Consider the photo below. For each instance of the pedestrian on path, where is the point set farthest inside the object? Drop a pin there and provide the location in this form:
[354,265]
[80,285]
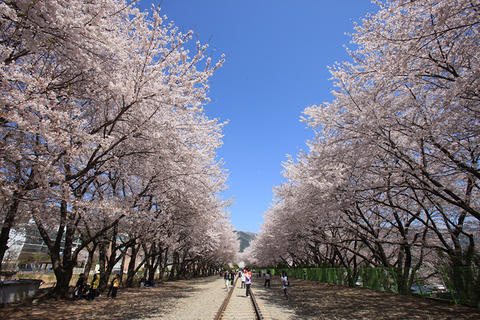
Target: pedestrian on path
[114,287]
[226,279]
[248,282]
[285,283]
[243,278]
[232,277]
[268,276]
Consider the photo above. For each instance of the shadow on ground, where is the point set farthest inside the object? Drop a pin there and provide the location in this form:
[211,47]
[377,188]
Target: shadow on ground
[315,300]
[308,299]
[134,303]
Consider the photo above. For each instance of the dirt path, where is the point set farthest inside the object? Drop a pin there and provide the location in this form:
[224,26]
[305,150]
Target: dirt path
[201,298]
[137,303]
[270,303]
[315,300]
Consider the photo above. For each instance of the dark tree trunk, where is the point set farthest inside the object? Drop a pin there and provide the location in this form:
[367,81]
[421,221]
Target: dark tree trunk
[113,259]
[91,253]
[132,269]
[6,227]
[102,261]
[164,264]
[131,266]
[175,262]
[122,266]
[63,275]
[62,264]
[153,265]
[464,274]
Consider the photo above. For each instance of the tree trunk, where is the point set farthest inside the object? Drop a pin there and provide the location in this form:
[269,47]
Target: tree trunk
[63,275]
[464,274]
[122,266]
[173,271]
[111,260]
[88,265]
[163,267]
[131,266]
[62,265]
[153,266]
[6,227]
[102,261]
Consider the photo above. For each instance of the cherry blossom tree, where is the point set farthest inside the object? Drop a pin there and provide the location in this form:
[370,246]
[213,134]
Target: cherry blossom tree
[103,127]
[394,164]
[414,89]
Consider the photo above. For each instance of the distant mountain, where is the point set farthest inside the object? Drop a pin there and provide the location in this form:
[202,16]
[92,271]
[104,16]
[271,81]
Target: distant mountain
[245,238]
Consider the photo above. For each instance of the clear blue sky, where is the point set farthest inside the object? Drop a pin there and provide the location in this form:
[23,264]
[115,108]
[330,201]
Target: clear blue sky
[277,54]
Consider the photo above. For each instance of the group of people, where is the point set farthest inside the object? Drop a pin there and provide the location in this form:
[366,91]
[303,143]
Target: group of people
[246,280]
[245,276]
[229,277]
[283,279]
[89,291]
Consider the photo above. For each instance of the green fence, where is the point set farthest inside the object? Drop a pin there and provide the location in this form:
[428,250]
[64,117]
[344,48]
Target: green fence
[459,285]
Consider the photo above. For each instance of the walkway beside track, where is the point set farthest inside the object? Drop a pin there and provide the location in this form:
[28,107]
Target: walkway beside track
[272,311]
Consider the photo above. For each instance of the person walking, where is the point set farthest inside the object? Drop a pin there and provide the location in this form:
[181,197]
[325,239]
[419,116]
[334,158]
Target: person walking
[285,283]
[112,292]
[232,277]
[248,282]
[93,292]
[243,278]
[268,276]
[227,281]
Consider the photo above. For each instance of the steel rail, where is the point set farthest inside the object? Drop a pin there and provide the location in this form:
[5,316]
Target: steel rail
[219,314]
[255,306]
[224,305]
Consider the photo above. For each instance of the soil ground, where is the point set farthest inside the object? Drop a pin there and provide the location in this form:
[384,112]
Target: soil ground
[307,300]
[315,300]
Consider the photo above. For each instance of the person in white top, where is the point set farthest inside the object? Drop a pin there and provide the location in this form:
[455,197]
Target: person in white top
[243,279]
[226,279]
[285,283]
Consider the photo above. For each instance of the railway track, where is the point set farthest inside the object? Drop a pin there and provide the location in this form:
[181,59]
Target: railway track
[237,306]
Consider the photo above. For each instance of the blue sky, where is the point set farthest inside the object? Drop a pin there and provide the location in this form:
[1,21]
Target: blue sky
[277,58]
